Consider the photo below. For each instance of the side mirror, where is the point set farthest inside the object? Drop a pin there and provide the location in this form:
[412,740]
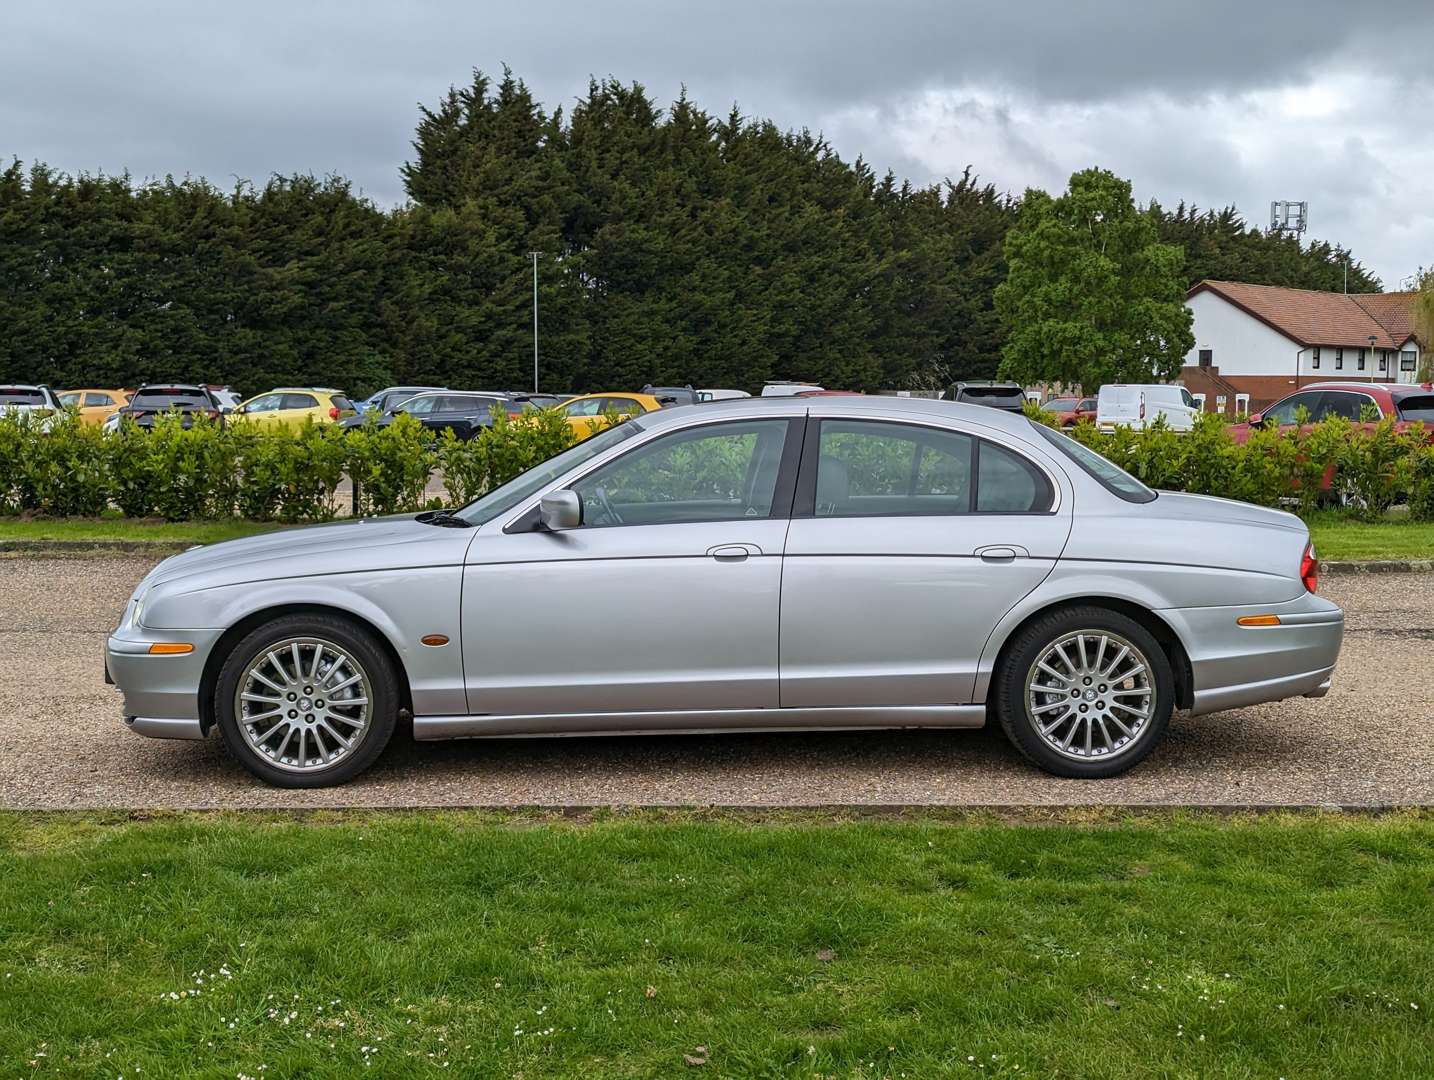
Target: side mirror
[560,510]
[1256,419]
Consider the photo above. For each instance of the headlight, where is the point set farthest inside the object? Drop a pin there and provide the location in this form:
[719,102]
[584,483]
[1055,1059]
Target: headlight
[136,610]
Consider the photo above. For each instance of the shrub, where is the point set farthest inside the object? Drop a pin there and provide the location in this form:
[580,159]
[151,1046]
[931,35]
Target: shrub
[1421,481]
[389,466]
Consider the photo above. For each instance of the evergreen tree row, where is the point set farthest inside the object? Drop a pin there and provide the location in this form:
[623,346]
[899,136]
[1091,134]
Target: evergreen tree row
[675,247]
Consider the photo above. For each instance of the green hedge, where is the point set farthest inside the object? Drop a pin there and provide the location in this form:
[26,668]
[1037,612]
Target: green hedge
[1371,465]
[205,471]
[208,472]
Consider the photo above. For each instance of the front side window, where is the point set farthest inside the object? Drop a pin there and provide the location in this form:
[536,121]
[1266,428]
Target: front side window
[69,400]
[419,406]
[584,407]
[1286,411]
[720,472]
[267,403]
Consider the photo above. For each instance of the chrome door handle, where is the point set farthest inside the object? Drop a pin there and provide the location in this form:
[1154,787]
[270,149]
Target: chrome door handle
[997,554]
[733,552]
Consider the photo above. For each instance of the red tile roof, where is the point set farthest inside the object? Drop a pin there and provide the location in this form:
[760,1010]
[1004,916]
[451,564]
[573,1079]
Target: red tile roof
[1309,317]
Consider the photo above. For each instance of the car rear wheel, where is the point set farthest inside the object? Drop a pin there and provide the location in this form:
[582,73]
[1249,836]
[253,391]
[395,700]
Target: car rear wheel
[307,701]
[1085,692]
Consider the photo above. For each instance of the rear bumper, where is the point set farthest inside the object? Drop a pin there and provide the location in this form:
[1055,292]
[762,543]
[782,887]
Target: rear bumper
[1233,666]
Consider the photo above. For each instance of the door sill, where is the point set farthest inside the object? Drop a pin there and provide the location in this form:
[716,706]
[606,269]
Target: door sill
[698,721]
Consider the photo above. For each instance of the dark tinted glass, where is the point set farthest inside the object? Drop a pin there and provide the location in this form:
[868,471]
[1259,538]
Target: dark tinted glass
[1416,407]
[170,397]
[1350,406]
[300,401]
[16,396]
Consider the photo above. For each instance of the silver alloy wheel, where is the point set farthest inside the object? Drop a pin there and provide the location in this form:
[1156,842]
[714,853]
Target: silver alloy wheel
[303,704]
[1091,694]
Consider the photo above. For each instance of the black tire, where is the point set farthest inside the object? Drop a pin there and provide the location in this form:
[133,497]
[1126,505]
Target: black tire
[361,647]
[1022,729]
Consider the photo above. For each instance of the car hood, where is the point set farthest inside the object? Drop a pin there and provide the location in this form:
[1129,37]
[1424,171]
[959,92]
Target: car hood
[368,544]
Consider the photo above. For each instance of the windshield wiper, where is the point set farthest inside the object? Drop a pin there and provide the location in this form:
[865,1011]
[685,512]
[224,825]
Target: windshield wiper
[444,519]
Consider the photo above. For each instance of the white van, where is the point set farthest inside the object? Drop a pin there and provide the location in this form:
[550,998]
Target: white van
[788,389]
[1136,405]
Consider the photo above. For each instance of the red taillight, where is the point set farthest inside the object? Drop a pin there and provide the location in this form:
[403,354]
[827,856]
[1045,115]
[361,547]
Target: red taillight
[137,413]
[1309,568]
[333,412]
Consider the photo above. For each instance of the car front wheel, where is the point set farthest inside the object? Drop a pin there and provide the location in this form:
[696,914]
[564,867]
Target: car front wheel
[307,701]
[1085,692]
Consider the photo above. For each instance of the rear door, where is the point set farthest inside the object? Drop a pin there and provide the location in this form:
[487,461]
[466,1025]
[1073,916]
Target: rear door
[296,410]
[908,544]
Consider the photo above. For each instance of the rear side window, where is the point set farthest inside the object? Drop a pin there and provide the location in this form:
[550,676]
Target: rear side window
[1417,407]
[1108,474]
[985,395]
[300,401]
[98,400]
[875,469]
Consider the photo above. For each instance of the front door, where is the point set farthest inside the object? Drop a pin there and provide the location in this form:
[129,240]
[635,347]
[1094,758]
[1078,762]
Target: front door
[908,544]
[664,599]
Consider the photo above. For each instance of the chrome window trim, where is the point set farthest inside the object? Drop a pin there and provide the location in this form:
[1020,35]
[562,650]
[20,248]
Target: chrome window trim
[627,447]
[975,431]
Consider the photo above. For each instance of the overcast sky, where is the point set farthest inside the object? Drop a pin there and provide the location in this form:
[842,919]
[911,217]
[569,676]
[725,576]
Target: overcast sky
[1214,102]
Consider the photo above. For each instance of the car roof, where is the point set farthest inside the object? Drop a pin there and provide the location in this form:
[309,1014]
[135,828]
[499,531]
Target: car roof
[874,405]
[1399,389]
[23,386]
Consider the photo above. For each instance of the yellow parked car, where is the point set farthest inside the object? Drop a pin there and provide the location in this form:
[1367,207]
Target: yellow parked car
[95,406]
[293,406]
[585,414]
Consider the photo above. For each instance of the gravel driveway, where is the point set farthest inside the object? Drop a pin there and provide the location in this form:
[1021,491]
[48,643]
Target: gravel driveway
[63,745]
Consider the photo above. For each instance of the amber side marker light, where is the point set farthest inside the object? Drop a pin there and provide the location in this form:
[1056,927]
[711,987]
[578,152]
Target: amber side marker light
[170,648]
[434,640]
[1258,620]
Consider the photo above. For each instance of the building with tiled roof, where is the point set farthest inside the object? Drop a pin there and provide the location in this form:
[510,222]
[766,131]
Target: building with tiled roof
[1257,343]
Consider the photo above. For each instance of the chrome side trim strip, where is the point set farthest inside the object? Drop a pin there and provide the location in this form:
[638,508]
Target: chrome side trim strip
[698,720]
[159,728]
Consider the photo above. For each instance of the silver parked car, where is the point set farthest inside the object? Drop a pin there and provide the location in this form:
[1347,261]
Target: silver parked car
[765,564]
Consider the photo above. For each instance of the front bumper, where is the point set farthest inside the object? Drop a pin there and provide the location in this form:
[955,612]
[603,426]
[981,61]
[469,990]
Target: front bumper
[1233,666]
[161,693]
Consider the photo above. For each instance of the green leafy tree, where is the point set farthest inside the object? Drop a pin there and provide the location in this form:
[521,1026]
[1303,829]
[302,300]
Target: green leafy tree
[1091,294]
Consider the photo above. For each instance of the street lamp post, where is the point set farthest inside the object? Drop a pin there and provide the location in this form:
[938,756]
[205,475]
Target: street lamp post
[535,255]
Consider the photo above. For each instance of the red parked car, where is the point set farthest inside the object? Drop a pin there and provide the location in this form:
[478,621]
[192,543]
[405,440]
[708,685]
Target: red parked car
[1406,403]
[1071,411]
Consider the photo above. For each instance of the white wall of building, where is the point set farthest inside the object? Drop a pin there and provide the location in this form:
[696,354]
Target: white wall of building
[1239,343]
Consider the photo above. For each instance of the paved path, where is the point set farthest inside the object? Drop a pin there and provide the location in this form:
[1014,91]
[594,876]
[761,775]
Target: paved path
[1370,742]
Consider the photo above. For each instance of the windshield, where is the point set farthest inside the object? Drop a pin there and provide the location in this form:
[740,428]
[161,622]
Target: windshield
[1110,475]
[506,496]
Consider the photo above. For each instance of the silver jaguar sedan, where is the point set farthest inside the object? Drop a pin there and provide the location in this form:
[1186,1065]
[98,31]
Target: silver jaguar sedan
[760,564]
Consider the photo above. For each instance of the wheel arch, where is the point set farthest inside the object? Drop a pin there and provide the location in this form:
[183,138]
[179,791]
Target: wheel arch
[254,619]
[1164,634]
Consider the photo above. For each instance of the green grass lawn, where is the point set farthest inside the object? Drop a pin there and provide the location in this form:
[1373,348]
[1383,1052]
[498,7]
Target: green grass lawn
[659,945]
[1340,537]
[129,530]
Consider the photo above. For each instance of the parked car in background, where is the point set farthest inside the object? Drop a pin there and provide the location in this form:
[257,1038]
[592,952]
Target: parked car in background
[154,400]
[672,395]
[585,413]
[294,406]
[36,403]
[1321,400]
[94,406]
[721,395]
[390,396]
[462,412]
[1137,405]
[227,396]
[1071,411]
[740,582]
[828,393]
[540,401]
[787,389]
[1009,397]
